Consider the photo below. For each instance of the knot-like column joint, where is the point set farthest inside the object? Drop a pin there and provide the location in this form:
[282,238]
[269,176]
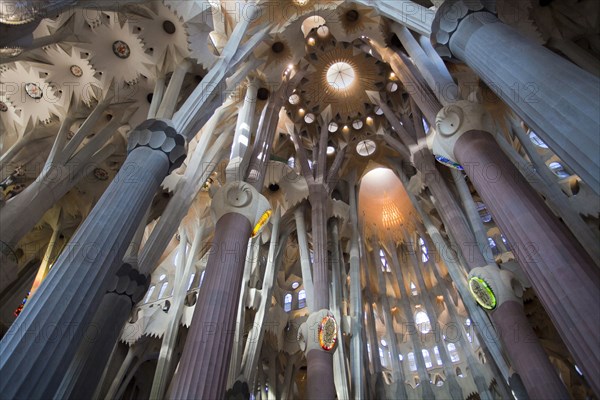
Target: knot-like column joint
[129,282]
[319,332]
[448,18]
[241,198]
[491,286]
[452,122]
[159,134]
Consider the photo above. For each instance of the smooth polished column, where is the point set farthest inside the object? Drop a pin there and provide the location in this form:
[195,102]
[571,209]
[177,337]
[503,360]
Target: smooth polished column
[530,78]
[561,272]
[42,342]
[204,364]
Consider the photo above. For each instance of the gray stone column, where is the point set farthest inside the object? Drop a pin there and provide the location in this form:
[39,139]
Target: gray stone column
[426,386]
[414,253]
[42,342]
[530,78]
[204,364]
[356,308]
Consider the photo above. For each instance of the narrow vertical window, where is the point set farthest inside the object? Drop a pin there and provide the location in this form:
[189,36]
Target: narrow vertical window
[150,291]
[287,303]
[302,299]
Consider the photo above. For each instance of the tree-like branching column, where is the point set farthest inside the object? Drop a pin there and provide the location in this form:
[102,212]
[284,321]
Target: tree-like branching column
[320,185]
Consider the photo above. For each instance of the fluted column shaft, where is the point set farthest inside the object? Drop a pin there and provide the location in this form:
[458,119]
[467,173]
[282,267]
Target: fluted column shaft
[561,272]
[531,80]
[42,342]
[205,360]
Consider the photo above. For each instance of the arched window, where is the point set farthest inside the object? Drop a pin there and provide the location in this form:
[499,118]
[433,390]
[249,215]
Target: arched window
[385,267]
[536,140]
[412,365]
[424,254]
[382,357]
[150,291]
[558,170]
[291,162]
[436,352]
[201,278]
[425,126]
[453,352]
[162,289]
[191,281]
[427,358]
[302,298]
[287,303]
[483,212]
[422,321]
[413,289]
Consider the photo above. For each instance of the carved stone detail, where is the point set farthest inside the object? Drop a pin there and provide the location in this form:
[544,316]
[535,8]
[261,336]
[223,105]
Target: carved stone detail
[455,120]
[241,198]
[449,16]
[129,282]
[159,134]
[503,283]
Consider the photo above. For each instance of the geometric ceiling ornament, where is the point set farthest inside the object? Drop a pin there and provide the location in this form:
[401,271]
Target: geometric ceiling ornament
[116,52]
[198,21]
[35,99]
[70,72]
[164,36]
[341,75]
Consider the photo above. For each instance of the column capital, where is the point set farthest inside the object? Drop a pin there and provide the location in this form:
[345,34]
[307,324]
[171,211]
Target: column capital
[159,134]
[491,286]
[452,122]
[319,332]
[241,198]
[449,16]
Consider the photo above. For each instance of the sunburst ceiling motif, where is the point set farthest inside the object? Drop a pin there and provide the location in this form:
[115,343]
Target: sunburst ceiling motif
[164,36]
[104,59]
[70,71]
[341,75]
[34,99]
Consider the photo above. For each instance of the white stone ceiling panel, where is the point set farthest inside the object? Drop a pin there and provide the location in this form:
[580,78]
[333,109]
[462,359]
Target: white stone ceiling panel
[70,71]
[117,53]
[164,33]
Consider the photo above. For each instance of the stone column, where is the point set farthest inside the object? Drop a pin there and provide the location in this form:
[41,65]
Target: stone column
[474,366]
[318,339]
[242,136]
[529,78]
[561,272]
[356,308]
[304,257]
[516,332]
[426,386]
[397,372]
[414,252]
[340,370]
[42,342]
[204,364]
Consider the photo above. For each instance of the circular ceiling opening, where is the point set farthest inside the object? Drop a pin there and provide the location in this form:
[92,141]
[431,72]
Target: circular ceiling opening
[366,147]
[340,75]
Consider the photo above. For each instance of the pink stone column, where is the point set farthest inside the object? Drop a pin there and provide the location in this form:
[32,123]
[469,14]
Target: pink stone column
[202,371]
[564,277]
